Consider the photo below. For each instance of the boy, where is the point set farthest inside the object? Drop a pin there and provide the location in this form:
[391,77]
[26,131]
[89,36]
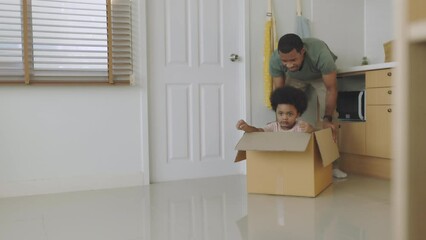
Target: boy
[289,103]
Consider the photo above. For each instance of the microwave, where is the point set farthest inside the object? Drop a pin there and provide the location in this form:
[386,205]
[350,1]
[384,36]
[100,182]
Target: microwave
[351,105]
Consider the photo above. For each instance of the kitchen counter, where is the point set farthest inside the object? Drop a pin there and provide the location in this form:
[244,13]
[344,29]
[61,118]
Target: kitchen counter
[361,69]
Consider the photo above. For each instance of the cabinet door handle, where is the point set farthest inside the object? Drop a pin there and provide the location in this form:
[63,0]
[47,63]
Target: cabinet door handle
[389,91]
[389,74]
[389,110]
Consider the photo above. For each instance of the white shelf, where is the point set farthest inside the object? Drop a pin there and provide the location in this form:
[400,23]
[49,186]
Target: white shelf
[417,31]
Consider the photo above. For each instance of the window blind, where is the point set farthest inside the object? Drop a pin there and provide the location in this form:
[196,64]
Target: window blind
[11,47]
[83,41]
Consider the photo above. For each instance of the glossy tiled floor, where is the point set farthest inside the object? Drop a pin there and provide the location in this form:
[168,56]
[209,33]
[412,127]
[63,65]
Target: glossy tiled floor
[205,209]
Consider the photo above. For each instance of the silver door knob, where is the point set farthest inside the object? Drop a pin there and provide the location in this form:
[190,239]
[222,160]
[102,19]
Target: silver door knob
[234,57]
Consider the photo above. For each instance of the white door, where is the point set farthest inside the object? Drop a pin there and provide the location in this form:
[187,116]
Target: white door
[194,88]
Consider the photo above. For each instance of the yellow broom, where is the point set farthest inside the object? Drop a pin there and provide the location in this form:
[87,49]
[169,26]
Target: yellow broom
[269,46]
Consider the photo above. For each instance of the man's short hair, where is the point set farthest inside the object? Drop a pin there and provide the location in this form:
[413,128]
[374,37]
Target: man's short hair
[289,42]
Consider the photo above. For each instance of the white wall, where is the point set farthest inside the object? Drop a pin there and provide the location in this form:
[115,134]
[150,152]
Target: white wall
[64,135]
[342,24]
[378,28]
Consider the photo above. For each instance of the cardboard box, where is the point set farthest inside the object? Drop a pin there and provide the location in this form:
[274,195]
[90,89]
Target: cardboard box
[297,164]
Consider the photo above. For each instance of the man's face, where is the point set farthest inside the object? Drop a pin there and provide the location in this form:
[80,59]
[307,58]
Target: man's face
[292,60]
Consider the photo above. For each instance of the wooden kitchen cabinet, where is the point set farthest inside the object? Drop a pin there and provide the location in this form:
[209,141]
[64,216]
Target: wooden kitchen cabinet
[352,137]
[378,129]
[378,78]
[365,147]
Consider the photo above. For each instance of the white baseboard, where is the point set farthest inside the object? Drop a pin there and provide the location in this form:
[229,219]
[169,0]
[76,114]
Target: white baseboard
[69,184]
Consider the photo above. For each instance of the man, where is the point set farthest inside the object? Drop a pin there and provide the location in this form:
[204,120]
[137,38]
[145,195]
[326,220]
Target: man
[304,64]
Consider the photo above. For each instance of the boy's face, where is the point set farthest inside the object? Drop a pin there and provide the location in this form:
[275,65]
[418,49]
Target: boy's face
[292,60]
[286,116]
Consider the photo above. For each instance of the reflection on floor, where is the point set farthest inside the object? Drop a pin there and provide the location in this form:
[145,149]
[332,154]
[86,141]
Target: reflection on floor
[214,208]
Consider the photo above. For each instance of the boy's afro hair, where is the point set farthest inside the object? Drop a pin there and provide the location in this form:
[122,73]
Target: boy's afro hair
[289,95]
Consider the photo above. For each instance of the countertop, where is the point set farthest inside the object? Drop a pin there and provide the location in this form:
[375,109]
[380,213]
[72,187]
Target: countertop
[364,68]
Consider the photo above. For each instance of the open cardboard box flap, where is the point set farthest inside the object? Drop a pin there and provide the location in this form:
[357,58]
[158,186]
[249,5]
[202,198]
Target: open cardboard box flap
[288,141]
[327,147]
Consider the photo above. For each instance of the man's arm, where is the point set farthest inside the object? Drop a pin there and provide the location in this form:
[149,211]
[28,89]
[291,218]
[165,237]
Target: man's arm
[330,82]
[276,71]
[278,81]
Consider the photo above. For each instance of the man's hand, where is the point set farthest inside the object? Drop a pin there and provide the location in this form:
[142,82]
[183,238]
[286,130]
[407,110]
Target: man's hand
[327,124]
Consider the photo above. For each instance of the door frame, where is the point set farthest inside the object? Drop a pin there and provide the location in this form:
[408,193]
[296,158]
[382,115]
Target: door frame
[244,82]
[141,76]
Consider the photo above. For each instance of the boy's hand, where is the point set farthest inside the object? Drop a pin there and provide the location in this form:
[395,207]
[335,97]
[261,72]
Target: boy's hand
[241,125]
[306,127]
